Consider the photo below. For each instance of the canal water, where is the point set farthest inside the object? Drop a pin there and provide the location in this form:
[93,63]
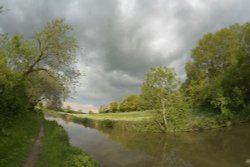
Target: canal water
[228,147]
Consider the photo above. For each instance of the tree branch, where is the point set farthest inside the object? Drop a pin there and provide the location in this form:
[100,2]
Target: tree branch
[162,128]
[39,58]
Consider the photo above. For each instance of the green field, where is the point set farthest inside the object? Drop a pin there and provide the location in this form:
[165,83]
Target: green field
[122,116]
[129,121]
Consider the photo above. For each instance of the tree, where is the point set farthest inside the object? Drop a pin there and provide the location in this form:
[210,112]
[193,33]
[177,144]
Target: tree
[215,53]
[55,50]
[131,103]
[159,90]
[215,75]
[13,96]
[212,58]
[102,109]
[114,106]
[46,62]
[158,83]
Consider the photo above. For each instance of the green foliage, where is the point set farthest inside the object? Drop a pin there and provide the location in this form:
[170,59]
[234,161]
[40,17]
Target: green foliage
[114,106]
[127,104]
[106,123]
[17,52]
[53,63]
[13,99]
[218,74]
[159,90]
[43,64]
[174,113]
[214,53]
[17,139]
[158,83]
[131,103]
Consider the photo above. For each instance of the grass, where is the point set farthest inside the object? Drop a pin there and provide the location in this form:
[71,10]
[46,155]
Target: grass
[57,152]
[129,121]
[122,116]
[144,120]
[16,140]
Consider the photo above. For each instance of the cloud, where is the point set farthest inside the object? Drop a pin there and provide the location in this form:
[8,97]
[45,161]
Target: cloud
[121,40]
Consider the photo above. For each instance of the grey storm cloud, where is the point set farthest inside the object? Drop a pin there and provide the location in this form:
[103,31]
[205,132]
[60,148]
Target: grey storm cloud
[121,40]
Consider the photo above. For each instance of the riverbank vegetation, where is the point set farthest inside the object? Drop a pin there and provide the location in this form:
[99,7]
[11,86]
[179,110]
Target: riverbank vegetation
[132,121]
[17,140]
[215,93]
[56,150]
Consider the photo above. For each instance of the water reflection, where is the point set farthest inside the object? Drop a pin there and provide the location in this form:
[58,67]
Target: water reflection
[111,148]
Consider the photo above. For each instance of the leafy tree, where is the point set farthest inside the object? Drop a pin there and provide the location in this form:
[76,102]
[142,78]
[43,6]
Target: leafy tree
[131,103]
[13,99]
[217,76]
[46,62]
[127,104]
[158,83]
[215,53]
[159,90]
[114,106]
[102,109]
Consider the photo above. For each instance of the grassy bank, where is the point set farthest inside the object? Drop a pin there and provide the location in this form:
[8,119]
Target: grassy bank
[121,116]
[57,152]
[144,121]
[17,140]
[130,121]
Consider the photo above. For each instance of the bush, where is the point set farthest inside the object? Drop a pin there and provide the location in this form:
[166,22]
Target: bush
[106,123]
[13,99]
[16,141]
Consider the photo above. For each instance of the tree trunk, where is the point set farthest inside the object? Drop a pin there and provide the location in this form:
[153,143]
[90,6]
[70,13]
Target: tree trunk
[163,111]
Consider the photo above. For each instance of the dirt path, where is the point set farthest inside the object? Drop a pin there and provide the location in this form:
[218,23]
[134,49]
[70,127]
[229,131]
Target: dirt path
[33,154]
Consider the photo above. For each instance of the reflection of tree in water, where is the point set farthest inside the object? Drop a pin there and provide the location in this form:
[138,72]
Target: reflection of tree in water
[169,157]
[157,146]
[225,147]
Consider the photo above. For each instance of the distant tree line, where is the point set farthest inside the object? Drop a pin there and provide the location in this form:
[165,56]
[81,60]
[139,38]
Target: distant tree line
[127,104]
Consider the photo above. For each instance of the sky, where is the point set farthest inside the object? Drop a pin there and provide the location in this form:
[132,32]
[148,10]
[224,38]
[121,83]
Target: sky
[120,40]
